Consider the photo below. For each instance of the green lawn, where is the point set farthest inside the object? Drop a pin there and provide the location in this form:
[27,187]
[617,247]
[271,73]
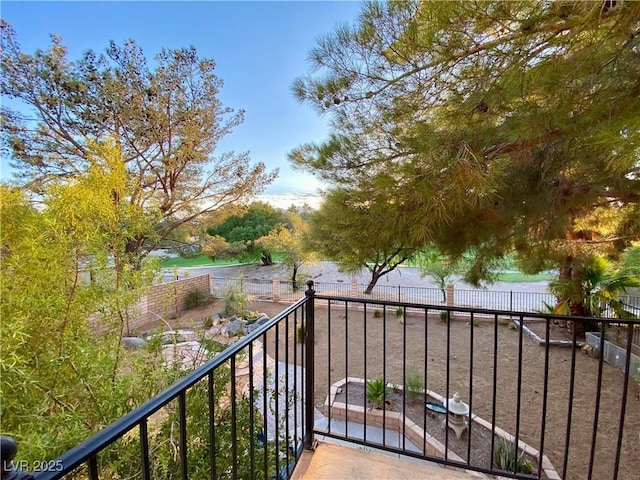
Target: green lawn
[199,261]
[519,277]
[204,261]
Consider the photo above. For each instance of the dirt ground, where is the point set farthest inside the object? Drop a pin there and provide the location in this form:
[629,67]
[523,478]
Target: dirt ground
[385,346]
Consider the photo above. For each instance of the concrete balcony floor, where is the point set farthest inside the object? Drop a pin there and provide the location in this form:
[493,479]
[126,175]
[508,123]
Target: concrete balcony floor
[331,461]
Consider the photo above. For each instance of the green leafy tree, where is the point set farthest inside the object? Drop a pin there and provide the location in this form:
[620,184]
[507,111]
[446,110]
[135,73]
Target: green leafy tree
[67,291]
[505,126]
[361,231]
[167,120]
[440,268]
[289,240]
[244,229]
[65,277]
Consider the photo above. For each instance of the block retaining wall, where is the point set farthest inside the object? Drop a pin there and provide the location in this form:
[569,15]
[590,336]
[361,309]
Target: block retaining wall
[166,300]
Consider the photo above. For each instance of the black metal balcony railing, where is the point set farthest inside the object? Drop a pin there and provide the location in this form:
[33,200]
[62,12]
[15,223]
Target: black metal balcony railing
[566,410]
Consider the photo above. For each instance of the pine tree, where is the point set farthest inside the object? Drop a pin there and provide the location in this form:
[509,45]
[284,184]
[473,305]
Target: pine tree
[502,125]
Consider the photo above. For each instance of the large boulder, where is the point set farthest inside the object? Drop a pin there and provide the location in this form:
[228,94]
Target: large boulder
[233,328]
[213,332]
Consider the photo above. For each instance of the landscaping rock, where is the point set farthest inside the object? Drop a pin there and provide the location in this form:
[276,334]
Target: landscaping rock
[173,336]
[133,342]
[188,354]
[251,327]
[213,332]
[233,328]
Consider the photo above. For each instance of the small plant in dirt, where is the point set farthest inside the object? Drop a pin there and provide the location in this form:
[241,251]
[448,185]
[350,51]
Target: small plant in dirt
[399,311]
[505,458]
[444,316]
[301,332]
[377,391]
[196,298]
[207,321]
[236,300]
[414,385]
[377,313]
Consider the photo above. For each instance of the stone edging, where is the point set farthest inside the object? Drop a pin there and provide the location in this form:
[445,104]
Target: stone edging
[413,432]
[541,341]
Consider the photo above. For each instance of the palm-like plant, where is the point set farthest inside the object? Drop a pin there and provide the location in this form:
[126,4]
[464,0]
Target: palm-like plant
[377,392]
[596,291]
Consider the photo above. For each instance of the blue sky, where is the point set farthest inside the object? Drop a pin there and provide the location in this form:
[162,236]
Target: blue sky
[259,48]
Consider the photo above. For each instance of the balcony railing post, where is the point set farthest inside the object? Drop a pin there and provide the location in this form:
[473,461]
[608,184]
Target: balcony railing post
[308,366]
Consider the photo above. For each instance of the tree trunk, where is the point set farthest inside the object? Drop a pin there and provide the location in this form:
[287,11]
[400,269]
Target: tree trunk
[266,259]
[294,281]
[375,276]
[572,274]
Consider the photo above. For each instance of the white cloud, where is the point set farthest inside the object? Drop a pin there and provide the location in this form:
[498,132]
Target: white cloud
[285,200]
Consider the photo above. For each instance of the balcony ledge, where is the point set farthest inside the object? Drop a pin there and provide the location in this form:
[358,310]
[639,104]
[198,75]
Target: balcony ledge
[330,461]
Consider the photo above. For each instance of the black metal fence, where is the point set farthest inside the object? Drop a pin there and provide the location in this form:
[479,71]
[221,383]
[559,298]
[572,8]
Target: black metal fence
[286,291]
[381,374]
[393,368]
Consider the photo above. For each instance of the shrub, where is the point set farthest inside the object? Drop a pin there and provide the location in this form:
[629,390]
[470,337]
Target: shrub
[444,316]
[196,298]
[377,391]
[189,251]
[399,312]
[414,385]
[504,458]
[207,322]
[235,301]
[377,313]
[301,333]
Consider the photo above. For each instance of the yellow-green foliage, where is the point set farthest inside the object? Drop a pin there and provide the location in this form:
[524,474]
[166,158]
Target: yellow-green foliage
[65,271]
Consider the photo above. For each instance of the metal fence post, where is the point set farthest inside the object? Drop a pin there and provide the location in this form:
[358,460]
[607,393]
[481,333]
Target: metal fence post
[308,366]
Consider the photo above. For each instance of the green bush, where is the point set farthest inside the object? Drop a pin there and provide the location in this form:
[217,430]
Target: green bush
[301,333]
[196,298]
[399,312]
[377,313]
[377,391]
[414,385]
[505,458]
[444,316]
[235,301]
